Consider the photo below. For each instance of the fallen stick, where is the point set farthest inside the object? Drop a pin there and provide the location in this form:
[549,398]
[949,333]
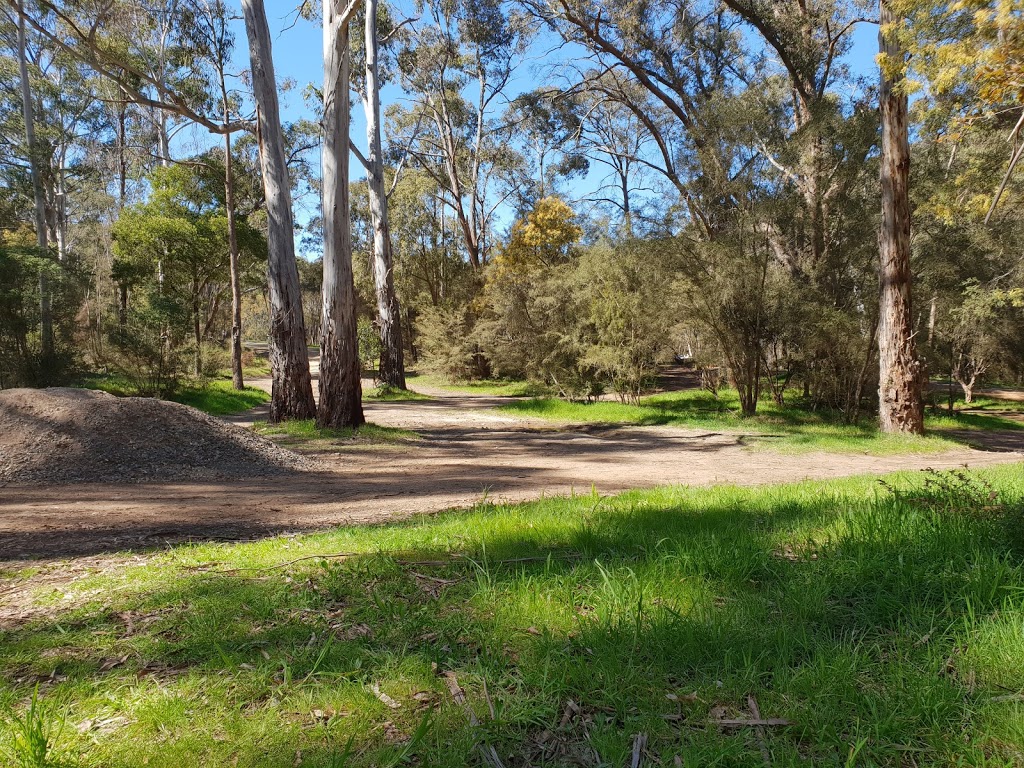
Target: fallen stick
[639,744]
[488,753]
[759,730]
[753,723]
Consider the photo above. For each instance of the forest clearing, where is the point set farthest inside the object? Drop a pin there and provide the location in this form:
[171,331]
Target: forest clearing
[511,383]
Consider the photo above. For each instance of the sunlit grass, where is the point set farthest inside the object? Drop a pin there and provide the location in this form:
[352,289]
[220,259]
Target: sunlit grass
[792,427]
[877,623]
[492,387]
[305,433]
[220,398]
[385,394]
[217,397]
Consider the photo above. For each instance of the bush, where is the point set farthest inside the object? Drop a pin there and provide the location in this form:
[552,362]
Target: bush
[447,338]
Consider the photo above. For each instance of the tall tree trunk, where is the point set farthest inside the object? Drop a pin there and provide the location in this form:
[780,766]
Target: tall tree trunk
[45,314]
[340,389]
[197,330]
[389,314]
[292,388]
[236,286]
[899,389]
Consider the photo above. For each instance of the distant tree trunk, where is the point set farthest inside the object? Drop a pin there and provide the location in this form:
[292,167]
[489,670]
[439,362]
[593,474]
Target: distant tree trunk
[292,389]
[197,329]
[899,390]
[236,286]
[45,314]
[389,314]
[340,387]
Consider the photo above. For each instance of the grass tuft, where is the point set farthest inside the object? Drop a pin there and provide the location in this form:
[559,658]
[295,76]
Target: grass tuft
[32,735]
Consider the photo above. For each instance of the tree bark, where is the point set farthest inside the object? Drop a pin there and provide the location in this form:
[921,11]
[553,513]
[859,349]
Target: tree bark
[236,286]
[899,390]
[340,388]
[197,330]
[389,314]
[292,388]
[45,314]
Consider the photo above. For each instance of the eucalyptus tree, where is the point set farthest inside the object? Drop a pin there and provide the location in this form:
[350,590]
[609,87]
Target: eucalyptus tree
[457,67]
[49,117]
[615,138]
[340,389]
[389,312]
[900,407]
[39,208]
[547,122]
[292,388]
[105,36]
[215,42]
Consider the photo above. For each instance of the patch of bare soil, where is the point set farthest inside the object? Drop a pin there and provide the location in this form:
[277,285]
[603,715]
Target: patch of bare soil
[70,436]
[233,485]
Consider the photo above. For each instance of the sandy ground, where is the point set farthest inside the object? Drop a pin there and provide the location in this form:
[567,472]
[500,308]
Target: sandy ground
[466,452]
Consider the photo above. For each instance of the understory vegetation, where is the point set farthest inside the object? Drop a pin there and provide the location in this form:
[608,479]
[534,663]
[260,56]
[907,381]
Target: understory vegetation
[869,622]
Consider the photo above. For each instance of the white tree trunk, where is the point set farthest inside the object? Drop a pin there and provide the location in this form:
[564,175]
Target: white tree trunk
[389,315]
[340,389]
[292,390]
[45,315]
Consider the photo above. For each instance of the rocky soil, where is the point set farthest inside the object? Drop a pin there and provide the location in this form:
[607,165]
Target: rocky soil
[60,436]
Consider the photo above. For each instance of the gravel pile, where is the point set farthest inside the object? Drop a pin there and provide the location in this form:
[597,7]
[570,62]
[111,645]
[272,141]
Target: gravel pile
[78,435]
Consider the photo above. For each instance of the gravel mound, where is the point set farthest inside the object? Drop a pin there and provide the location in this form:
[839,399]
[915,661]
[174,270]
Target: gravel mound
[64,435]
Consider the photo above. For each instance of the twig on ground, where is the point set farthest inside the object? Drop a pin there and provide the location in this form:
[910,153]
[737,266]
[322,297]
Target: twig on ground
[751,723]
[639,745]
[759,730]
[488,753]
[384,698]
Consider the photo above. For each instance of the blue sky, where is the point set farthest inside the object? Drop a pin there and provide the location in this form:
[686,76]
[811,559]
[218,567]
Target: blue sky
[298,49]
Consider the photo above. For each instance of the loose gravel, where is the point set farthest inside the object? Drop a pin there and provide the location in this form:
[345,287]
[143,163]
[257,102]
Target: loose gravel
[61,435]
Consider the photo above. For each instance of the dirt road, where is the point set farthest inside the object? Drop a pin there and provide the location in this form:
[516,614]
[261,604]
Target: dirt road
[466,451]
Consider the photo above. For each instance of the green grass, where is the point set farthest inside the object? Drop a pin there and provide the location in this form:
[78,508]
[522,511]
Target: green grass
[492,387]
[305,433]
[391,395]
[886,626]
[793,427]
[219,398]
[216,397]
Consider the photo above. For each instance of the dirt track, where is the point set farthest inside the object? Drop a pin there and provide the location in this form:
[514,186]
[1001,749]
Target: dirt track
[466,451]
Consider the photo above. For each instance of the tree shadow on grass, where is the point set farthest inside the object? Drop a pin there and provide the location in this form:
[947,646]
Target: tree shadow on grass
[865,621]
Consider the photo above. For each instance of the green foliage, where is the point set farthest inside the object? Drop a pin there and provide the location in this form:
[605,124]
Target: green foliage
[448,344]
[369,344]
[22,360]
[171,270]
[577,320]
